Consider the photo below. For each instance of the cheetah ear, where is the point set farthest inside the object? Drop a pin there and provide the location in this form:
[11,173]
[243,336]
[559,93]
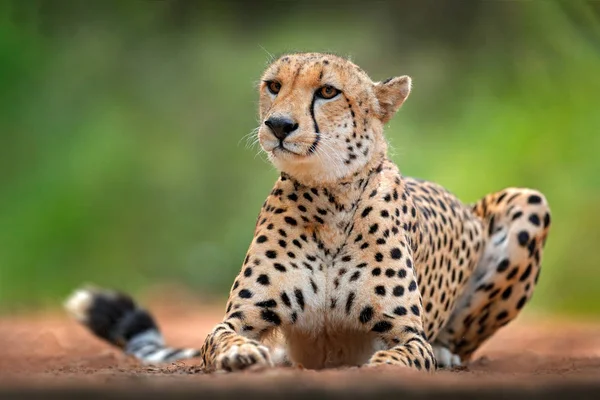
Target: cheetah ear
[391,93]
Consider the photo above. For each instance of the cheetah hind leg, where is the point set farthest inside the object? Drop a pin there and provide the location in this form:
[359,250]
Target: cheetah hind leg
[517,223]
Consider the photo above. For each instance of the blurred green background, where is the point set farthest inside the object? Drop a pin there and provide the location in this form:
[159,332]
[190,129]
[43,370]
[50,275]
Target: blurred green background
[123,160]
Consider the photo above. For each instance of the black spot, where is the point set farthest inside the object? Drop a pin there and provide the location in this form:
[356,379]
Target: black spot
[412,287]
[534,219]
[526,273]
[380,290]
[415,310]
[291,221]
[390,273]
[302,208]
[401,311]
[395,253]
[382,326]
[247,272]
[507,292]
[546,220]
[270,316]
[402,272]
[379,257]
[245,294]
[521,302]
[373,228]
[307,197]
[501,315]
[346,258]
[350,302]
[355,276]
[361,265]
[503,265]
[280,267]
[299,298]
[314,286]
[513,272]
[237,315]
[366,211]
[534,199]
[293,197]
[398,291]
[263,279]
[261,239]
[417,364]
[366,315]
[517,215]
[376,272]
[286,299]
[266,304]
[523,238]
[271,253]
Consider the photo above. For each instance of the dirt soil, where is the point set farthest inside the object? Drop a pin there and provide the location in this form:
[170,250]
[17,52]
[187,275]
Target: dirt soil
[532,357]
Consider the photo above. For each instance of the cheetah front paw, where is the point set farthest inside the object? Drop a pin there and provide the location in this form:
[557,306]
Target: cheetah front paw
[387,357]
[445,358]
[245,356]
[399,358]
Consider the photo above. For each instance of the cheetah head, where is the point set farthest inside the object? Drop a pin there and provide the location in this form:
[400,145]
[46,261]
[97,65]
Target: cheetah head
[322,116]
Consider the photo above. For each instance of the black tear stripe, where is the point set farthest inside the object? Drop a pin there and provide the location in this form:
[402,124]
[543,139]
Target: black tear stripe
[313,147]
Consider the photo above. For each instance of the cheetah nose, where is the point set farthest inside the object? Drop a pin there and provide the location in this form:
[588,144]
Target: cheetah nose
[281,126]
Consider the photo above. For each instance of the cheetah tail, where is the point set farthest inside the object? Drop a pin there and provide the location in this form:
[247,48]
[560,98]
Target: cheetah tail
[117,319]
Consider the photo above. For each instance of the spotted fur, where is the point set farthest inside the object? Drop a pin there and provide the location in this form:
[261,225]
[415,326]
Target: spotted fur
[353,263]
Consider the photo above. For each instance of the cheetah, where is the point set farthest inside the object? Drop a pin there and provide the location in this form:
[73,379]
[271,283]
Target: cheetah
[351,263]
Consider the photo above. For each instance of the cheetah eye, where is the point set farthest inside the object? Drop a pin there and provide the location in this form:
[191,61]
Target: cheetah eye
[327,92]
[274,87]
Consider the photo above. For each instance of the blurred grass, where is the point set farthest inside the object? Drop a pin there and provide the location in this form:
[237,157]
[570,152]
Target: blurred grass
[123,163]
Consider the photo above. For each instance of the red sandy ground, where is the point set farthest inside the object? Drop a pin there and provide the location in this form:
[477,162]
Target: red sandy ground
[52,351]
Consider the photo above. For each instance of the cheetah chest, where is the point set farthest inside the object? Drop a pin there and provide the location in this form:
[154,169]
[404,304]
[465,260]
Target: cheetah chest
[323,335]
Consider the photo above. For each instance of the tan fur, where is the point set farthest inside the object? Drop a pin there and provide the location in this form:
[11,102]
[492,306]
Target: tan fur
[353,263]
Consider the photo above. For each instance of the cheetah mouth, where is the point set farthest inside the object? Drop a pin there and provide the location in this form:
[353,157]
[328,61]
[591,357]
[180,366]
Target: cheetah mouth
[284,150]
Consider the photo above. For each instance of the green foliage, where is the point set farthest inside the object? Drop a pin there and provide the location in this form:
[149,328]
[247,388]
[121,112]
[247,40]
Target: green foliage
[123,159]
